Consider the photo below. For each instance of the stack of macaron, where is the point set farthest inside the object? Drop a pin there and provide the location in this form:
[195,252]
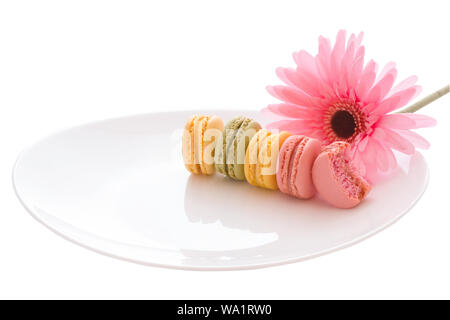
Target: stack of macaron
[296,165]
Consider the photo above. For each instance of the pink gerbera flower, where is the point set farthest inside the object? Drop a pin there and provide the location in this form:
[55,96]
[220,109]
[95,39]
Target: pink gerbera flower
[334,96]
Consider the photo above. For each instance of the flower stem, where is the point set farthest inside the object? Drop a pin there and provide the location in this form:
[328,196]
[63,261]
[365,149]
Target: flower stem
[427,100]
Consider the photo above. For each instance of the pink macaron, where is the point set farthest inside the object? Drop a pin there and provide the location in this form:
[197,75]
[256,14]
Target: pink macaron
[336,179]
[295,162]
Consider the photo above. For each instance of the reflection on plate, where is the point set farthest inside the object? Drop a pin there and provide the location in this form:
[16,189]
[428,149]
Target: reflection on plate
[119,187]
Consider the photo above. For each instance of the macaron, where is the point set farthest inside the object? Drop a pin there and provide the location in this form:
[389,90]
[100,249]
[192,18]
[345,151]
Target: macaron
[261,158]
[199,141]
[232,146]
[295,162]
[336,179]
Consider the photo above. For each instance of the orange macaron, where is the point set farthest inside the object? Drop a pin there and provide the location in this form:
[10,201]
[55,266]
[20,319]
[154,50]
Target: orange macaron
[199,141]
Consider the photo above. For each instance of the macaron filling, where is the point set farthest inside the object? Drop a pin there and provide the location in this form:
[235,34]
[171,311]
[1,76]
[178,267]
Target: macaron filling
[347,175]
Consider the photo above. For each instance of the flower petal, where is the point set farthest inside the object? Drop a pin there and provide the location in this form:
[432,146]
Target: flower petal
[337,54]
[359,38]
[367,79]
[351,42]
[323,59]
[290,95]
[338,50]
[310,85]
[358,162]
[397,142]
[396,101]
[369,155]
[291,111]
[363,143]
[391,157]
[282,73]
[304,81]
[267,116]
[379,134]
[357,67]
[293,126]
[421,120]
[347,59]
[417,140]
[388,68]
[305,62]
[392,161]
[377,109]
[396,121]
[405,84]
[287,124]
[383,86]
[381,157]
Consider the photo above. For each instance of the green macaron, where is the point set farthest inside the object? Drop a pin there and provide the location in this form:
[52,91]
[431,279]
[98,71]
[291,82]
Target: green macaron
[230,150]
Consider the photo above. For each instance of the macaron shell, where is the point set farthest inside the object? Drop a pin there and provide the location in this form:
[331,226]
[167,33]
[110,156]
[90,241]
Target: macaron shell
[267,159]
[301,175]
[251,156]
[212,134]
[285,156]
[241,142]
[188,147]
[199,127]
[186,150]
[327,186]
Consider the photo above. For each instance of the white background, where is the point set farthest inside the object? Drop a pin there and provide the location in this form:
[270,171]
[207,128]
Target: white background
[63,63]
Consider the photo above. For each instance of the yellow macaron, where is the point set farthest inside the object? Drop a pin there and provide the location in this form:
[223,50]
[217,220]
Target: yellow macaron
[199,140]
[261,158]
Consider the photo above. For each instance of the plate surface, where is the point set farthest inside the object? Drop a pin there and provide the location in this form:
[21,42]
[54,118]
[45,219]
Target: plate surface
[119,187]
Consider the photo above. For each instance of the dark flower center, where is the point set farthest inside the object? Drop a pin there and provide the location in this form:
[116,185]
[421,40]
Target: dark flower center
[343,124]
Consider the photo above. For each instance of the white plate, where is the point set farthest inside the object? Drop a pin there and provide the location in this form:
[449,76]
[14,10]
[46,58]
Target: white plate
[119,187]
